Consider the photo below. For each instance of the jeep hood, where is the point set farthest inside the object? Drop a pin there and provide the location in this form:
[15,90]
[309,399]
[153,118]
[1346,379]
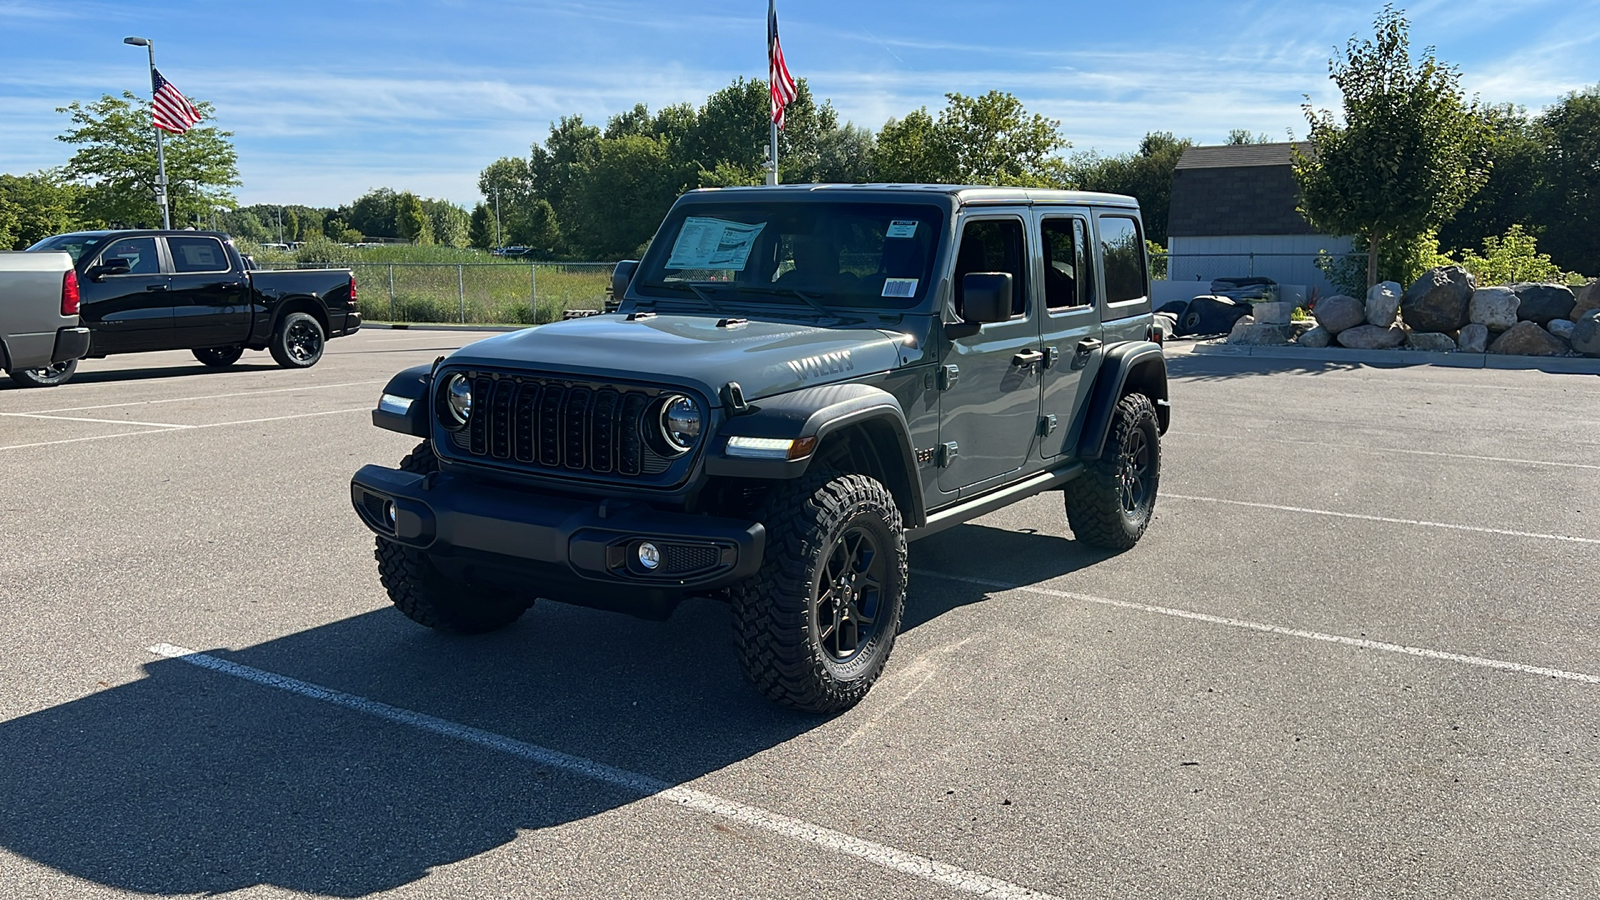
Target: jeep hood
[765,358]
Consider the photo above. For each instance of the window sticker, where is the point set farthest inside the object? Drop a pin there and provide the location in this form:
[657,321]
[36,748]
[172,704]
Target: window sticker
[902,228]
[706,243]
[900,287]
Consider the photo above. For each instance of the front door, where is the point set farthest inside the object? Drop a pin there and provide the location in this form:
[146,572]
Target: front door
[132,311]
[210,306]
[1070,329]
[988,412]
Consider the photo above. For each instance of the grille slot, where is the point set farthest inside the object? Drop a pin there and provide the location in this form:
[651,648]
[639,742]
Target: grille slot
[677,559]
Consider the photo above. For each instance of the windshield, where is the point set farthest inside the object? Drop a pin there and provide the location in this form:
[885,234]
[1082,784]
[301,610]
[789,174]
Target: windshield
[74,244]
[871,255]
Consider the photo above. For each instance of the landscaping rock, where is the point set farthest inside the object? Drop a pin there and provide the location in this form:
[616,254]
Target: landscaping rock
[1261,334]
[1239,328]
[1339,312]
[1562,328]
[1383,303]
[1372,337]
[1494,307]
[1272,313]
[1588,297]
[1528,339]
[1316,338]
[1586,333]
[1543,303]
[1438,300]
[1474,339]
[1434,341]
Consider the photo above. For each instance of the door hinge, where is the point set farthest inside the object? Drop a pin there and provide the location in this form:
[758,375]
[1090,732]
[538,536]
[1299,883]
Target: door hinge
[948,376]
[947,454]
[1047,425]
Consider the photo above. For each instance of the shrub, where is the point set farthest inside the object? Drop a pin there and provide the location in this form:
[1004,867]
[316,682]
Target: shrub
[1514,257]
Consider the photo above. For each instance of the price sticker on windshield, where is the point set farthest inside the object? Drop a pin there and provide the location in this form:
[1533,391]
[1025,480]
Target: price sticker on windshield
[902,228]
[900,287]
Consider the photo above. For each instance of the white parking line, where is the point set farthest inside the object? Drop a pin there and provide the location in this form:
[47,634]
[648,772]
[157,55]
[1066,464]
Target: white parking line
[309,387]
[96,421]
[939,873]
[1363,643]
[1257,440]
[167,429]
[1392,521]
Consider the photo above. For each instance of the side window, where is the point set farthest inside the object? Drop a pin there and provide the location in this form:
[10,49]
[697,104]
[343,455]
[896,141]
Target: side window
[197,254]
[140,252]
[994,245]
[1122,247]
[1066,278]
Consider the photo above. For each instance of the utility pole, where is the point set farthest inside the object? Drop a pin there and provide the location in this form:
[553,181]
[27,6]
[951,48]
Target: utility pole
[498,242]
[280,224]
[161,156]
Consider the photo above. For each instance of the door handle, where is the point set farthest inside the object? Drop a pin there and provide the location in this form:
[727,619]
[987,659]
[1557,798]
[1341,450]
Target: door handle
[1090,345]
[156,287]
[1027,358]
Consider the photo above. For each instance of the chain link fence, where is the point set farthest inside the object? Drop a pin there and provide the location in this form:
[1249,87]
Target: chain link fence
[476,293]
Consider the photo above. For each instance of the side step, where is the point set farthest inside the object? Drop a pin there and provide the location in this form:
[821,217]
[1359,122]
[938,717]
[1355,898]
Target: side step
[966,510]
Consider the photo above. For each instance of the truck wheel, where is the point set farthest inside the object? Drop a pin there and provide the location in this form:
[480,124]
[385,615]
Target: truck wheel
[425,595]
[219,357]
[814,627]
[297,342]
[1111,504]
[46,376]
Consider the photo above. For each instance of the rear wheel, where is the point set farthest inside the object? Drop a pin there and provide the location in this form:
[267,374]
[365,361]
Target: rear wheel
[297,342]
[1111,505]
[219,357]
[45,376]
[420,591]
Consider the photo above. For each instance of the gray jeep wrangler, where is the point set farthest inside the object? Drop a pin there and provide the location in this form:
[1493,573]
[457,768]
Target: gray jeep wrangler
[797,380]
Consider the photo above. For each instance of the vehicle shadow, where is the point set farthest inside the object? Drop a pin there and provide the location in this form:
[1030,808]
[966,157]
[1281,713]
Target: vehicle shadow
[107,376]
[189,781]
[1224,368]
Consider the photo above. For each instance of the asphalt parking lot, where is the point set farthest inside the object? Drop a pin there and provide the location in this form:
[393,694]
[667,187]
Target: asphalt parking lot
[1356,655]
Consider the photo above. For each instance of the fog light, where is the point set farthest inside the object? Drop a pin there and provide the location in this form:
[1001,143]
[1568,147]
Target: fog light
[649,556]
[389,513]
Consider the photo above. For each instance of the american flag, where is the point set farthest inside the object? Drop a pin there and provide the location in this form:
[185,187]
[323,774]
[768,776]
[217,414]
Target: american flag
[173,111]
[781,83]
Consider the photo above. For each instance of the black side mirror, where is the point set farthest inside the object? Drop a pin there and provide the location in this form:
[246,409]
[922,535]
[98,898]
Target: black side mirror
[986,297]
[114,266]
[621,276]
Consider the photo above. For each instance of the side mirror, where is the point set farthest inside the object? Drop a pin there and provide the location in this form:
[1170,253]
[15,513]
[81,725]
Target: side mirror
[114,266]
[986,297]
[621,276]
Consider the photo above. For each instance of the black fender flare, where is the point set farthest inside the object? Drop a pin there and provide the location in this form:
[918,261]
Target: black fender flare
[1133,367]
[818,412]
[411,384]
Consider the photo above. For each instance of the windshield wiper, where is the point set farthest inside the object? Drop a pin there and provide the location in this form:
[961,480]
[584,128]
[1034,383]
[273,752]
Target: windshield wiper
[810,300]
[687,286]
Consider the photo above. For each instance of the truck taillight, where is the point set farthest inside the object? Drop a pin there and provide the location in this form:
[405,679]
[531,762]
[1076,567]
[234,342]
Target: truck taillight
[352,290]
[69,293]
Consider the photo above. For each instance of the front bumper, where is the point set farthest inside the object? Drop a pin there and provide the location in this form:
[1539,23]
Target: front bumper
[567,540]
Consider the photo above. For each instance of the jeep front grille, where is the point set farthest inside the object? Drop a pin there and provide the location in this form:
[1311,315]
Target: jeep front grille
[557,425]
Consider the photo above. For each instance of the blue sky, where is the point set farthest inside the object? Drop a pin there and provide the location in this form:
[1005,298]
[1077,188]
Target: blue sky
[327,99]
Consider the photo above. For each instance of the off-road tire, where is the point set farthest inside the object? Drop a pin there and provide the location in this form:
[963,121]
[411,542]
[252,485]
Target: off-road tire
[298,341]
[1111,504]
[781,646]
[425,595]
[218,357]
[45,376]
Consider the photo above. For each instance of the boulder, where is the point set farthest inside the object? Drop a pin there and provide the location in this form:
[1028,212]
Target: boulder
[1528,339]
[1372,337]
[1261,334]
[1339,312]
[1543,303]
[1278,313]
[1474,339]
[1586,333]
[1383,303]
[1239,328]
[1438,300]
[1434,341]
[1562,328]
[1316,338]
[1494,307]
[1588,297]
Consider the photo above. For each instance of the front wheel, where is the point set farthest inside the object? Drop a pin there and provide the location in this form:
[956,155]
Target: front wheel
[1111,505]
[297,341]
[219,357]
[45,376]
[815,626]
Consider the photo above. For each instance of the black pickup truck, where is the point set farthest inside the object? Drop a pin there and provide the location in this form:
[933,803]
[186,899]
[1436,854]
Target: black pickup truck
[192,290]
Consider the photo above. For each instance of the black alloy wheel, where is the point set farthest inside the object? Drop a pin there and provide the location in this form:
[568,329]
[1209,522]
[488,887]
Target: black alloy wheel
[298,341]
[1135,485]
[219,357]
[45,376]
[849,594]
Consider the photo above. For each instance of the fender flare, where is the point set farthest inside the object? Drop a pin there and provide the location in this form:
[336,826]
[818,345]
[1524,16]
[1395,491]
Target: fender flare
[410,384]
[818,412]
[1137,366]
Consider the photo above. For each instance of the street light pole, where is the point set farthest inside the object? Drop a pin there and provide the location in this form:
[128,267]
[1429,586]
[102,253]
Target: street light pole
[161,156]
[498,242]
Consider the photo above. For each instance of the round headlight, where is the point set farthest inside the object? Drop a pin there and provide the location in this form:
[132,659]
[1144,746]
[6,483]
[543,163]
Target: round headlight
[680,423]
[458,398]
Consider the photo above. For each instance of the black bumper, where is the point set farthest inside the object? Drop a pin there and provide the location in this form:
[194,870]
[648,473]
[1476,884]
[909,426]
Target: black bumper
[352,324]
[71,343]
[573,541]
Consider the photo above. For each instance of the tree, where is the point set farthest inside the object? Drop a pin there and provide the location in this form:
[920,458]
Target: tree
[625,191]
[990,139]
[447,222]
[844,155]
[1511,195]
[373,213]
[480,230]
[1241,136]
[411,219]
[1146,175]
[33,207]
[1570,194]
[1409,152]
[116,157]
[910,150]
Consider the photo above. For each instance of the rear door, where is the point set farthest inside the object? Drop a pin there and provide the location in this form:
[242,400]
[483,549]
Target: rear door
[132,311]
[1070,327]
[210,301]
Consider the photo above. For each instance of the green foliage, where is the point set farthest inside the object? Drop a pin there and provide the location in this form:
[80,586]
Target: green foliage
[1241,136]
[411,219]
[447,222]
[990,139]
[1408,154]
[1571,208]
[1158,259]
[116,157]
[1514,257]
[480,229]
[1511,195]
[33,207]
[628,186]
[1401,260]
[1146,175]
[373,213]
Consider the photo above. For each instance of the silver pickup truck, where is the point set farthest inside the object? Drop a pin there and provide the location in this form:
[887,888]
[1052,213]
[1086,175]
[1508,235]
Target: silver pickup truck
[41,337]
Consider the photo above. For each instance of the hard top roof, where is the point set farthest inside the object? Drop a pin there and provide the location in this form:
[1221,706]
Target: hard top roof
[961,193]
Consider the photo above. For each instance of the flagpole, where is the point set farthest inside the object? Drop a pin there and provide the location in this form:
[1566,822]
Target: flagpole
[161,155]
[772,173]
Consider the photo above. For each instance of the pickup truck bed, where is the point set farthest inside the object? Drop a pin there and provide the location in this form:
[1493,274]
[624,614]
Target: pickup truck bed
[41,339]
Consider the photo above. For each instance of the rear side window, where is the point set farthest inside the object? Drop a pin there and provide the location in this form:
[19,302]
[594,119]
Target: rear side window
[994,245]
[1066,278]
[197,254]
[1122,248]
[140,252]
